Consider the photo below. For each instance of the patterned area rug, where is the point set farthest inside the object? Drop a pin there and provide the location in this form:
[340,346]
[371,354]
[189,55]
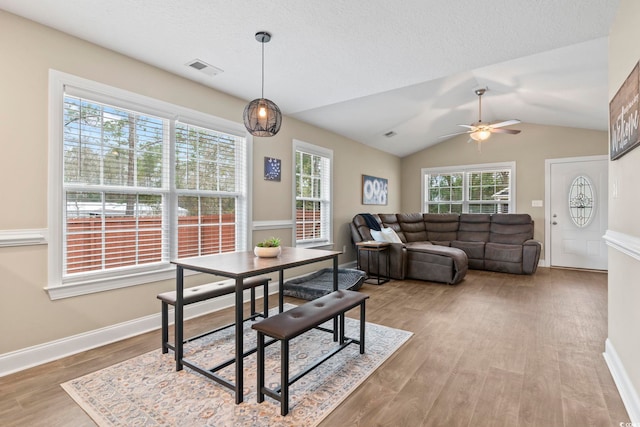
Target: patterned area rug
[147,391]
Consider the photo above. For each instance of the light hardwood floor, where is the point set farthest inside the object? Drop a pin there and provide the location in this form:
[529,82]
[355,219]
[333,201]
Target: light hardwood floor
[494,350]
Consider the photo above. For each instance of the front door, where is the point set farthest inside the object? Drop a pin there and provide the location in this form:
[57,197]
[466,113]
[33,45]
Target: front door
[578,208]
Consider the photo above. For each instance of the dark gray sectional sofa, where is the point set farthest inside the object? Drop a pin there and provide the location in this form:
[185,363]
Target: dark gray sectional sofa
[440,247]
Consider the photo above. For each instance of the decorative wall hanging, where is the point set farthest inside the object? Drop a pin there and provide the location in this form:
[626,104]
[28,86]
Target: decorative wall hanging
[272,169]
[623,116]
[262,117]
[581,201]
[374,190]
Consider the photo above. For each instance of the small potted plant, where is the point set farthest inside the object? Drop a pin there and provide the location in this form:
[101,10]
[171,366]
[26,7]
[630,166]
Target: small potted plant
[268,248]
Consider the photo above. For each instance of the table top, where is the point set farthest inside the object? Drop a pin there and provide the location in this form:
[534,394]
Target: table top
[372,244]
[244,264]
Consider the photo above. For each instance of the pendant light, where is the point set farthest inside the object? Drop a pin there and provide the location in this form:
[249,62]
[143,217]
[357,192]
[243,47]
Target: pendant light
[262,117]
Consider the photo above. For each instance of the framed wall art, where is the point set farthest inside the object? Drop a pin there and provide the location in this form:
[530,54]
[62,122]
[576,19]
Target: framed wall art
[374,190]
[272,169]
[623,116]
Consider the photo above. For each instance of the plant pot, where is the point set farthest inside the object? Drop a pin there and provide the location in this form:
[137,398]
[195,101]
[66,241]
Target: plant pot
[267,252]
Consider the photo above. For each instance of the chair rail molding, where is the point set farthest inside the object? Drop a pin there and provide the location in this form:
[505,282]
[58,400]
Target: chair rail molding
[625,243]
[272,225]
[37,236]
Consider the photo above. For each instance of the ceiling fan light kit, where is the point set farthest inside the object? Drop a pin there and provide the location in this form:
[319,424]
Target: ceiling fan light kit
[480,131]
[262,117]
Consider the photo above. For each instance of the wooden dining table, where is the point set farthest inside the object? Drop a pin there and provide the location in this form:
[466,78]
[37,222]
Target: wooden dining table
[238,266]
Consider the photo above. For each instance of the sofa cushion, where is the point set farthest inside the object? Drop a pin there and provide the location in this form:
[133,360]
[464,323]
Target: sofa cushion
[361,228]
[474,227]
[413,227]
[391,221]
[502,252]
[512,229]
[385,235]
[474,251]
[441,227]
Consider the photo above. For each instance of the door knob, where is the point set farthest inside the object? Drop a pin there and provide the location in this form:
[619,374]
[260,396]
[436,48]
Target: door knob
[554,223]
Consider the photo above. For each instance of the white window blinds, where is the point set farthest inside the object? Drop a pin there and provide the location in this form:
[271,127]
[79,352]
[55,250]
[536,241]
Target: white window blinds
[138,187]
[312,194]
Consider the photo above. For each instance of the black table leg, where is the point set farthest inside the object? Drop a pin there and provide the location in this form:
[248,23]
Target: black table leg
[239,343]
[179,317]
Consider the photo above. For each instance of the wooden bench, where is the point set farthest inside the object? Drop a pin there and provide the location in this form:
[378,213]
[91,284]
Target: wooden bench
[208,291]
[292,323]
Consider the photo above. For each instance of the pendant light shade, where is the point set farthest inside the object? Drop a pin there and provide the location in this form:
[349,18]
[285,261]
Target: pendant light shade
[262,117]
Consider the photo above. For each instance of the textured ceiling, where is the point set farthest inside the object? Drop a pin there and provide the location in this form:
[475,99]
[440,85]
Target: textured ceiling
[363,68]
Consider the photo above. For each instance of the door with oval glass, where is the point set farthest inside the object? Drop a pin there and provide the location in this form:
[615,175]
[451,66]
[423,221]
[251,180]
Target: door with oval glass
[578,207]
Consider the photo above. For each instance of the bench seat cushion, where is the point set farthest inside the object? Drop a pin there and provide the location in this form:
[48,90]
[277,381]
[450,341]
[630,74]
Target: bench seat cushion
[212,290]
[294,322]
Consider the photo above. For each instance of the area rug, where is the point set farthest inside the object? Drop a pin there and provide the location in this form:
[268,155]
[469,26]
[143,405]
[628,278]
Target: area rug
[147,391]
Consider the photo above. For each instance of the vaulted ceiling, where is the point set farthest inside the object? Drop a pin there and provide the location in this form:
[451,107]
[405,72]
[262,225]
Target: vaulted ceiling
[364,68]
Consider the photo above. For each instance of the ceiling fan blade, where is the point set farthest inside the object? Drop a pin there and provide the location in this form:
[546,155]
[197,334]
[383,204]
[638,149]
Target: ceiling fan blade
[509,131]
[469,126]
[505,123]
[453,134]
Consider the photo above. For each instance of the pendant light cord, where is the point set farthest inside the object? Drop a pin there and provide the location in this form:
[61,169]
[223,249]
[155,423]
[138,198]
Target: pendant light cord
[262,96]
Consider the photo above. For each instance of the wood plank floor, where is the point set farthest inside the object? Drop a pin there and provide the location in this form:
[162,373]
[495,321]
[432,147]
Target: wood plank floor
[495,350]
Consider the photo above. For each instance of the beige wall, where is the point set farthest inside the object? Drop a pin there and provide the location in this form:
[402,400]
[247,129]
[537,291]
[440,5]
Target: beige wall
[28,317]
[528,149]
[624,292]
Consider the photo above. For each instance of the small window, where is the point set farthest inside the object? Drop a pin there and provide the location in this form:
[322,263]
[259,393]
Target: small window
[313,180]
[469,189]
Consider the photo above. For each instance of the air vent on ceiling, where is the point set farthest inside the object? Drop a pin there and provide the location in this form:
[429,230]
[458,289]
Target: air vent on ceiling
[203,67]
[390,134]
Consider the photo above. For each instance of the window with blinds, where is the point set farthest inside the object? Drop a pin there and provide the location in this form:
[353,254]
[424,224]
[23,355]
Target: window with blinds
[470,189]
[140,187]
[312,194]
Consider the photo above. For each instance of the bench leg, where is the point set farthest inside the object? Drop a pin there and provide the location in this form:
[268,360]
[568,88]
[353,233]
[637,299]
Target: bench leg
[165,327]
[284,378]
[362,327]
[260,363]
[265,299]
[341,328]
[253,301]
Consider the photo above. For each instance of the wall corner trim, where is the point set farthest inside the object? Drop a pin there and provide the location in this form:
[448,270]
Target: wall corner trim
[625,387]
[624,243]
[36,236]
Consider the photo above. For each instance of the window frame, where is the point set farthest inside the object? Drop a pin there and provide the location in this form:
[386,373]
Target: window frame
[60,287]
[327,199]
[465,170]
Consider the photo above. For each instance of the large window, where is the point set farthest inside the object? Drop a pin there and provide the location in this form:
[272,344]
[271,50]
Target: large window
[312,171]
[137,186]
[469,189]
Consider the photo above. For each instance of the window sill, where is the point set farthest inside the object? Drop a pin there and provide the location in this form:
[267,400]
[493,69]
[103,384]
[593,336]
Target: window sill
[91,286]
[316,245]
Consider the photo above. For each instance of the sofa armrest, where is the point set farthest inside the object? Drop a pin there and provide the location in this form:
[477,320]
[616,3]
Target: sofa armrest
[530,256]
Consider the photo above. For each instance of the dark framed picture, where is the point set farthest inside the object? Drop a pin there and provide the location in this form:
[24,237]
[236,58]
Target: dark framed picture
[624,117]
[272,169]
[374,190]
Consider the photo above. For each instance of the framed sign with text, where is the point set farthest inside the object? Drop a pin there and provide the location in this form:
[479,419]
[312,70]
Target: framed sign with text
[623,116]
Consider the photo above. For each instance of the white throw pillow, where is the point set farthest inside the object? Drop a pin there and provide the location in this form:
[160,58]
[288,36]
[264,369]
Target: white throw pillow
[390,235]
[378,236]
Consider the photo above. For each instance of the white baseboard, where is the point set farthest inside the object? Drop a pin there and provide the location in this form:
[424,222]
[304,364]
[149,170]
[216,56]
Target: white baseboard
[39,354]
[626,389]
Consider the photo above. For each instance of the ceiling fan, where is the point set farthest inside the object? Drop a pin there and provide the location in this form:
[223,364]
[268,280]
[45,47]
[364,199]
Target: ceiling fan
[480,131]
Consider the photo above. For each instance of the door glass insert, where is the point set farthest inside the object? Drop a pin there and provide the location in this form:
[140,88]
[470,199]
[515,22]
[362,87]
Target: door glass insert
[581,201]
